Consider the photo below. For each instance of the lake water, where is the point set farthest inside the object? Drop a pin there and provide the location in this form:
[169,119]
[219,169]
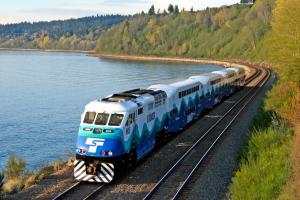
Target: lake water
[42,95]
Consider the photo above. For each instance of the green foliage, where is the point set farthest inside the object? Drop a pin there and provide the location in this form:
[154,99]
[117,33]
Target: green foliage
[171,8]
[176,9]
[14,174]
[15,167]
[285,39]
[264,169]
[284,43]
[284,99]
[151,10]
[73,34]
[227,32]
[266,166]
[263,119]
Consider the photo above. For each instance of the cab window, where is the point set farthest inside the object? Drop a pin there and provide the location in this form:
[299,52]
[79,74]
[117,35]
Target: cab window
[89,117]
[101,119]
[115,119]
[131,119]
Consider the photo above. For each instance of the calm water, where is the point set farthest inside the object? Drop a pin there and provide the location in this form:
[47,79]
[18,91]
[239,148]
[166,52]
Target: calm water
[42,95]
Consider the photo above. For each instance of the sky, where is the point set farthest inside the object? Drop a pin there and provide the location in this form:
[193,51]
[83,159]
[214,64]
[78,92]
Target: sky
[14,11]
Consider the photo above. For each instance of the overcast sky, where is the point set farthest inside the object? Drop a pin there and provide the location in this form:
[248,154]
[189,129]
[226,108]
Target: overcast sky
[12,11]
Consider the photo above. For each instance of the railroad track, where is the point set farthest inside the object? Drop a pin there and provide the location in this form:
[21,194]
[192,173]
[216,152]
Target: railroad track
[80,190]
[173,182]
[86,191]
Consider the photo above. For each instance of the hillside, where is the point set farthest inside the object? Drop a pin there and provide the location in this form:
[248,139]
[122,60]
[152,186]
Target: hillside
[79,34]
[226,32]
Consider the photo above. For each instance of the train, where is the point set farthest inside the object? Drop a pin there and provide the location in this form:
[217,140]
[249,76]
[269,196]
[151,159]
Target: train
[122,128]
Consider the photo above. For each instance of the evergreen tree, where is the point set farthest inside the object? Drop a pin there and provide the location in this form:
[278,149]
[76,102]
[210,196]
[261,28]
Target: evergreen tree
[164,12]
[151,10]
[176,9]
[171,8]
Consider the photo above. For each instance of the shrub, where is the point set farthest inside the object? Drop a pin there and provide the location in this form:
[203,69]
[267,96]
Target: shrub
[13,185]
[15,168]
[58,165]
[265,168]
[31,178]
[284,99]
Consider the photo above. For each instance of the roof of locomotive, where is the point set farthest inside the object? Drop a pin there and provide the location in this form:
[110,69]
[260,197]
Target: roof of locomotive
[110,107]
[205,78]
[124,101]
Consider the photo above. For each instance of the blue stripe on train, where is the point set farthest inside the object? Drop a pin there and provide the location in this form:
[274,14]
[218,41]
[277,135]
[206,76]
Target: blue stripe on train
[94,146]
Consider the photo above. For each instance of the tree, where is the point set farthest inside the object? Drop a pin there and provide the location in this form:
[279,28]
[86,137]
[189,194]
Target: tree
[176,9]
[286,38]
[164,12]
[158,12]
[248,1]
[284,98]
[171,8]
[151,10]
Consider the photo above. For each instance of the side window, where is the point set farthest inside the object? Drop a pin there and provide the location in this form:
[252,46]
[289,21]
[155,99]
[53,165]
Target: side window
[150,106]
[140,111]
[131,119]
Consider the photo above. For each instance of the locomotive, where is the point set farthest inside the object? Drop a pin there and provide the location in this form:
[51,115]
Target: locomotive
[122,128]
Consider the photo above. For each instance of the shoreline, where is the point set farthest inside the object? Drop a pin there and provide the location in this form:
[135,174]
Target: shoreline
[169,59]
[46,50]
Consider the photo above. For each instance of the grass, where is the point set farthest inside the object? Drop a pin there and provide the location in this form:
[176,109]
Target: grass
[15,177]
[265,165]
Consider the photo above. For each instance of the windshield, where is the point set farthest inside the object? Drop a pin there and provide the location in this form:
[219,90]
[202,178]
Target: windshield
[115,119]
[101,119]
[89,117]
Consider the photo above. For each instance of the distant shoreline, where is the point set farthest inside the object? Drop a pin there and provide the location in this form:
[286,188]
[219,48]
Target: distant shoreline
[167,59]
[46,50]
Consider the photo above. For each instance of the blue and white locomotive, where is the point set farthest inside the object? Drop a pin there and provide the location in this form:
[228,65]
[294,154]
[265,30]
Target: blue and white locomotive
[122,128]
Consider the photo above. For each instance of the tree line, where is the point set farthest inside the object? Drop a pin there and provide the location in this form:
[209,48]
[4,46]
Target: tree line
[226,32]
[60,34]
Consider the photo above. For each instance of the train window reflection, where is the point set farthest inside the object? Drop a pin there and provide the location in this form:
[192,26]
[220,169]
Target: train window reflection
[101,119]
[115,120]
[89,117]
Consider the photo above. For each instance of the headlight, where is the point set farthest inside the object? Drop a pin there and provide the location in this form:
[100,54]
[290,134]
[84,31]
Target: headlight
[81,151]
[87,129]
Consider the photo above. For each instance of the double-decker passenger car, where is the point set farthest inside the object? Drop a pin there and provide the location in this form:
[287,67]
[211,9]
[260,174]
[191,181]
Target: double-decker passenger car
[122,128]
